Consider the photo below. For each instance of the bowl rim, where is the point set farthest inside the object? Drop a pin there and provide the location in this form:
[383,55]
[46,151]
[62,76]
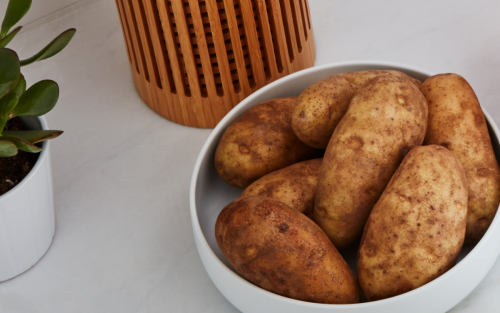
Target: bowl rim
[198,233]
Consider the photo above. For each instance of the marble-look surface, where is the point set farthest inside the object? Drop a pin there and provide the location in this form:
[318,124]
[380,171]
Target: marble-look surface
[121,173]
[40,8]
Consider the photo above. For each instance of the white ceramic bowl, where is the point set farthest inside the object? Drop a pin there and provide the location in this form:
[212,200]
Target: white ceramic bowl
[209,194]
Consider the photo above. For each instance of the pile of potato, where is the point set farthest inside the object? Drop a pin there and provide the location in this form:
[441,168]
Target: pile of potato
[409,167]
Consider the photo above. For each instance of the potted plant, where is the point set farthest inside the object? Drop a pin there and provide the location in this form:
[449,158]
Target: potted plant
[27,221]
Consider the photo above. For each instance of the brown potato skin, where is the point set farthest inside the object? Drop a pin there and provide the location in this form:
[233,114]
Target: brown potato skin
[319,109]
[386,119]
[417,228]
[294,185]
[283,251]
[360,78]
[456,121]
[321,106]
[259,142]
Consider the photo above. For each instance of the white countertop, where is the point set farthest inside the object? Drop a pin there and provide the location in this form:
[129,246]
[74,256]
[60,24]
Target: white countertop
[123,241]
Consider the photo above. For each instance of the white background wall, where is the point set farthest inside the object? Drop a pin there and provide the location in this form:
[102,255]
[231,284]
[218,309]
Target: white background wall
[39,8]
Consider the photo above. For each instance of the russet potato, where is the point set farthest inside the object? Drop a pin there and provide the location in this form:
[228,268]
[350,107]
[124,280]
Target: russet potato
[416,230]
[385,120]
[320,107]
[456,121]
[283,251]
[259,142]
[294,185]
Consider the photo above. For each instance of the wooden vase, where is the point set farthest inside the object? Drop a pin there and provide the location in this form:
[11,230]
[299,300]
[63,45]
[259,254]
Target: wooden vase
[192,61]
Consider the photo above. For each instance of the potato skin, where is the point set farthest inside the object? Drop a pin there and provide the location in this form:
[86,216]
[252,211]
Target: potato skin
[457,122]
[360,78]
[321,106]
[319,109]
[417,228]
[283,251]
[259,142]
[294,185]
[386,119]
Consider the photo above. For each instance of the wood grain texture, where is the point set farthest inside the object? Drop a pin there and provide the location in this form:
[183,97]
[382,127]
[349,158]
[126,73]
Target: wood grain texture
[192,61]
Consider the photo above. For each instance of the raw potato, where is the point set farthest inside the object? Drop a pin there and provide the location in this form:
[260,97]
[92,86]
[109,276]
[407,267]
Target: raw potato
[321,106]
[386,119]
[319,109]
[295,186]
[360,78]
[282,251]
[457,122]
[259,142]
[416,230]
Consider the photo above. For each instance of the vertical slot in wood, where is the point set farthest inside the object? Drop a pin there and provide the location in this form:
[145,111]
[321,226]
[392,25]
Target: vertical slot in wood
[163,46]
[194,46]
[296,25]
[244,44]
[138,38]
[178,51]
[211,48]
[124,32]
[301,5]
[263,49]
[229,47]
[150,45]
[128,37]
[306,4]
[274,37]
[286,26]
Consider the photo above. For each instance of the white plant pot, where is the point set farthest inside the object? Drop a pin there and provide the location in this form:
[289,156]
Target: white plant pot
[27,221]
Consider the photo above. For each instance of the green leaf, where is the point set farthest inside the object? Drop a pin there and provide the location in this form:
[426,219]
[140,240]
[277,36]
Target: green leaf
[7,149]
[7,104]
[15,11]
[38,100]
[54,47]
[21,143]
[20,87]
[9,70]
[35,136]
[5,40]
[9,101]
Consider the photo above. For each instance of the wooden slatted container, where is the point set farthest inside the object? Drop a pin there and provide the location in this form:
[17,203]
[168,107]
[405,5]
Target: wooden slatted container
[192,61]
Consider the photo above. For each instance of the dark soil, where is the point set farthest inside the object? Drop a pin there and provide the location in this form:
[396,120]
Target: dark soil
[14,169]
